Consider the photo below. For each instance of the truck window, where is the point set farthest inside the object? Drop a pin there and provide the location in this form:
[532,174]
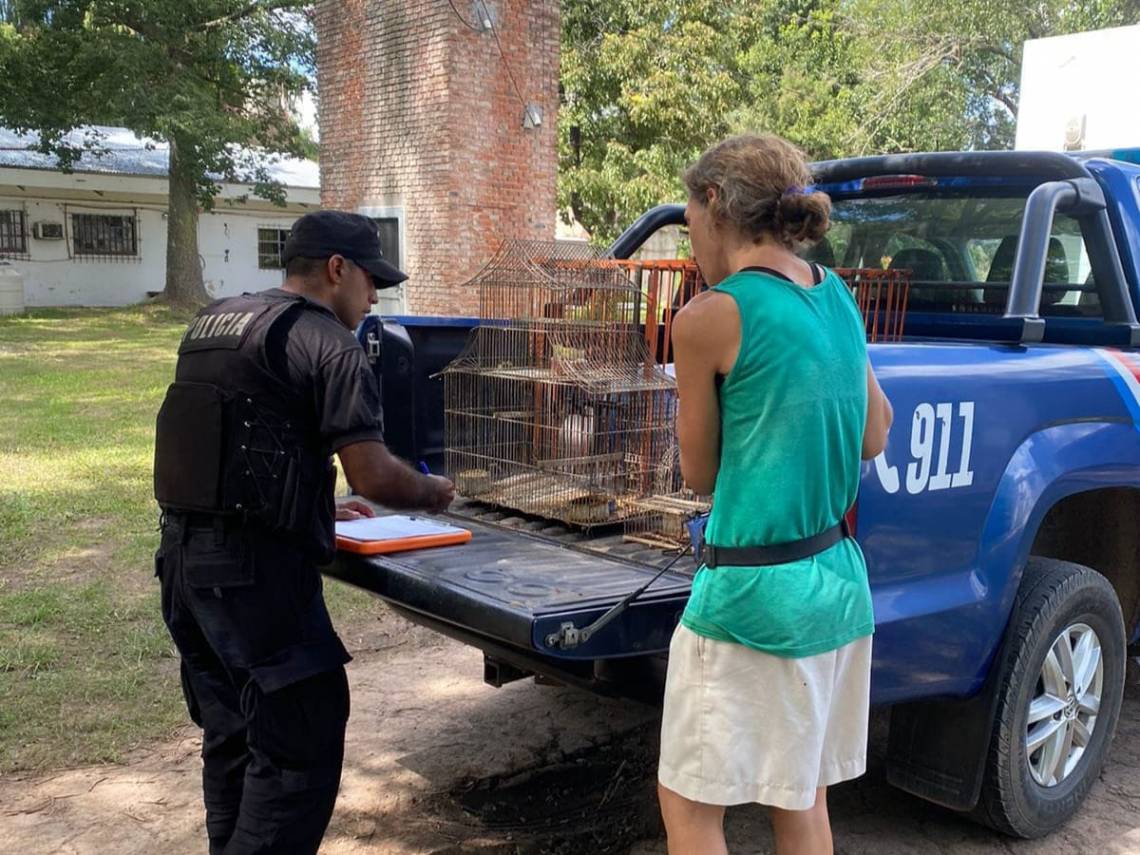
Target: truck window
[959,247]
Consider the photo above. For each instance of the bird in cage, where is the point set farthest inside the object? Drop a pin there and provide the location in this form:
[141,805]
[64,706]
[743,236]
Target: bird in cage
[576,434]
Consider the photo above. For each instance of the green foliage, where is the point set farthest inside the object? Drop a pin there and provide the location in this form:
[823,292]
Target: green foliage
[648,86]
[210,76]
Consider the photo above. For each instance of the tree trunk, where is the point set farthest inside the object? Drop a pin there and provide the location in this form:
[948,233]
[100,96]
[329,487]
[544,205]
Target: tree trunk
[184,286]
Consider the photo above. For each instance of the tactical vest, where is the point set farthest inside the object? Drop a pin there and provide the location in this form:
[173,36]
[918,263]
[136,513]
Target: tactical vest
[232,438]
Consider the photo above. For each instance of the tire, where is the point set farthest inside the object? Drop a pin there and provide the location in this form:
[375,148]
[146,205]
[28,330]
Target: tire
[1036,780]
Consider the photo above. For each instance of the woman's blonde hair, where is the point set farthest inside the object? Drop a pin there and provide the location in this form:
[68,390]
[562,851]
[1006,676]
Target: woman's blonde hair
[760,183]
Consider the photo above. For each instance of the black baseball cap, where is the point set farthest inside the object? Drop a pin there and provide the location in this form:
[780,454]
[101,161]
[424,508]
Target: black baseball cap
[323,234]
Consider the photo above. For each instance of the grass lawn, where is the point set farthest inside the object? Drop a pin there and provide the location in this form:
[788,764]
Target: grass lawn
[87,670]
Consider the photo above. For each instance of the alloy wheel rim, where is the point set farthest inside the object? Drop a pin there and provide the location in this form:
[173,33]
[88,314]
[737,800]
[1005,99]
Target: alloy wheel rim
[1065,705]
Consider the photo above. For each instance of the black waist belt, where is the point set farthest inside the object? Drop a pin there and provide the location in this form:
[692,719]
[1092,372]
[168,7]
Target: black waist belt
[777,553]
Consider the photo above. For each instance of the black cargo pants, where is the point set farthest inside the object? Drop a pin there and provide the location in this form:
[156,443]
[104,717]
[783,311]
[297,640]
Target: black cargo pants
[263,676]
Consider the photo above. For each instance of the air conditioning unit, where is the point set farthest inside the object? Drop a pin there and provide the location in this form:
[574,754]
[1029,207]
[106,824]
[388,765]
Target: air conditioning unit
[48,231]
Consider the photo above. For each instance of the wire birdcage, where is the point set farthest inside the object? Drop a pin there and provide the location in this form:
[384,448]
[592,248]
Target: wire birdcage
[555,407]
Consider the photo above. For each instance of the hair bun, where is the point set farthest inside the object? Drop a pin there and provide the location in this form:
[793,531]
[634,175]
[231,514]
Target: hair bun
[802,217]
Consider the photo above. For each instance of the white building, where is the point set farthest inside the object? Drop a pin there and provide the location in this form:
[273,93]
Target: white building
[1074,91]
[97,236]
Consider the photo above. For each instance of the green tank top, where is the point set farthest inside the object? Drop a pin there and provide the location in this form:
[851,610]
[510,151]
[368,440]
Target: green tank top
[793,410]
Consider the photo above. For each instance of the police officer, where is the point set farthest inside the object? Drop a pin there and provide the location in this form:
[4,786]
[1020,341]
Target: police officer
[267,388]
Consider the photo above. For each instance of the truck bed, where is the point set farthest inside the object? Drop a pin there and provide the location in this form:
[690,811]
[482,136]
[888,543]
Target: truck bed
[519,580]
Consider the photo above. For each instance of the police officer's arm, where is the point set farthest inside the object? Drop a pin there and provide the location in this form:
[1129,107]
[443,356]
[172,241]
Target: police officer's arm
[374,473]
[348,404]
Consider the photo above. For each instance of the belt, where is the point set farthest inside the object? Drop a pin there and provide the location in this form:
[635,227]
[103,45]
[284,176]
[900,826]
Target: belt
[180,524]
[198,519]
[776,553]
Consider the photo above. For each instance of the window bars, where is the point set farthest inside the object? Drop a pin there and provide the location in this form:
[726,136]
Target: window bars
[555,407]
[13,234]
[271,248]
[104,236]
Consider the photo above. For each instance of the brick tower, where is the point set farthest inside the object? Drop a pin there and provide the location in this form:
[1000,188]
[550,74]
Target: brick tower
[439,119]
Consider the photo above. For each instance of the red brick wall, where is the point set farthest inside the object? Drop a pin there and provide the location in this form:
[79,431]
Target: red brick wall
[418,111]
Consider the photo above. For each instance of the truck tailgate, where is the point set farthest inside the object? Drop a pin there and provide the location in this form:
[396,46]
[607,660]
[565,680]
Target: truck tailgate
[518,587]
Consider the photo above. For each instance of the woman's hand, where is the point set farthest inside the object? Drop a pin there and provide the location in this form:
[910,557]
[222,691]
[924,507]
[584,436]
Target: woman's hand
[352,509]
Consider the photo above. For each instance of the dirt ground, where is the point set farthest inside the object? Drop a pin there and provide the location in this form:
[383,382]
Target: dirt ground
[438,762]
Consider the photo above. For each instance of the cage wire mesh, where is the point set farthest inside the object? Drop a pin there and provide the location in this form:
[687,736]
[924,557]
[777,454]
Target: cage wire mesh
[555,406]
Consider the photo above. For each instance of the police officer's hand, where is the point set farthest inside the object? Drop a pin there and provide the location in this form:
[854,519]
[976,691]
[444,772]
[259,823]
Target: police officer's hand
[440,493]
[353,510]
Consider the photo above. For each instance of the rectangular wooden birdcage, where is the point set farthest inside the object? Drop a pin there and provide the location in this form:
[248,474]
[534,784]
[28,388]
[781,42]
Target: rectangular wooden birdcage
[555,407]
[882,297]
[669,284]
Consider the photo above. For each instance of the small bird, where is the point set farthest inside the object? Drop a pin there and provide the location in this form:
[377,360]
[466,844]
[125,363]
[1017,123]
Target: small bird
[576,436]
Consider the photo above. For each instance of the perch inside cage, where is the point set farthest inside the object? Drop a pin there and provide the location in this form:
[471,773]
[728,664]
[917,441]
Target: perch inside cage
[556,407]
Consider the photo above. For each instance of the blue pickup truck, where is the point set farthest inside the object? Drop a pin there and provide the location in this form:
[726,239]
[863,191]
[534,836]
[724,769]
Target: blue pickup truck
[1001,526]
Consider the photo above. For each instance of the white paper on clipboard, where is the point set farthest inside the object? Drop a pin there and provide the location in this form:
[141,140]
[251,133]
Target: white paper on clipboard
[392,528]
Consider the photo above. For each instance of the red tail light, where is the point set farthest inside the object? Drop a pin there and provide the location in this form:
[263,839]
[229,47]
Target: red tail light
[898,182]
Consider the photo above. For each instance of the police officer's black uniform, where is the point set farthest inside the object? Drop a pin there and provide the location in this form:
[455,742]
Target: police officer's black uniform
[267,387]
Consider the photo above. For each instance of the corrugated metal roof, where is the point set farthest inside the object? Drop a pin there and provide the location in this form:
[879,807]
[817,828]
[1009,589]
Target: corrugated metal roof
[130,154]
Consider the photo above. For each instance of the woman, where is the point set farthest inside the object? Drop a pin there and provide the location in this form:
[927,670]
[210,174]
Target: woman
[767,692]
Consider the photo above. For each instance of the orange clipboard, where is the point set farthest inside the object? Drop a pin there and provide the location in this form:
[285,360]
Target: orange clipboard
[396,533]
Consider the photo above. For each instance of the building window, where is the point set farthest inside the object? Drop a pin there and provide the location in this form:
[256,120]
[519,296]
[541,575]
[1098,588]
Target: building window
[104,235]
[13,237]
[271,248]
[389,228]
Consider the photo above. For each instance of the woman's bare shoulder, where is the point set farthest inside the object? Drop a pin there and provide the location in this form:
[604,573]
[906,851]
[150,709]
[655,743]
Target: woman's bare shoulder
[708,328]
[708,311]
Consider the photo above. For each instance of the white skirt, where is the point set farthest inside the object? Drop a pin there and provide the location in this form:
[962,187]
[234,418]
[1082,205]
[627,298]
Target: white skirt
[744,726]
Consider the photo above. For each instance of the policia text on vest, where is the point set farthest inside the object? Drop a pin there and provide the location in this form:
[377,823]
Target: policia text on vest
[226,324]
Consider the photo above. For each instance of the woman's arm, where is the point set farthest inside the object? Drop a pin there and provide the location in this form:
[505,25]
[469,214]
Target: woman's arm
[879,418]
[706,339]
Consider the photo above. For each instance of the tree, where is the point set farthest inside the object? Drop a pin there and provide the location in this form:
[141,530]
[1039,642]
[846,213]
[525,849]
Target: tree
[646,85]
[806,76]
[929,55]
[210,77]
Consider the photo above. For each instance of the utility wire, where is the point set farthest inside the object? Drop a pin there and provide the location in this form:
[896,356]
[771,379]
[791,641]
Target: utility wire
[498,43]
[459,15]
[506,62]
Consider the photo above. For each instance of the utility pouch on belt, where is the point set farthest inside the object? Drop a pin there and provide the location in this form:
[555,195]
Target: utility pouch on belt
[188,461]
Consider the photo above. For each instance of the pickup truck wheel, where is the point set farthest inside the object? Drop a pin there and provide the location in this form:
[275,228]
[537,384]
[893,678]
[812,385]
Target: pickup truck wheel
[1059,696]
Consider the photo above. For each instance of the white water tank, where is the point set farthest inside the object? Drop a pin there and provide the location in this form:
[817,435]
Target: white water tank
[11,290]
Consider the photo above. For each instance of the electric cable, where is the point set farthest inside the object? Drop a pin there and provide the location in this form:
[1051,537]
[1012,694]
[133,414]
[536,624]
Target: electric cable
[506,62]
[466,23]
